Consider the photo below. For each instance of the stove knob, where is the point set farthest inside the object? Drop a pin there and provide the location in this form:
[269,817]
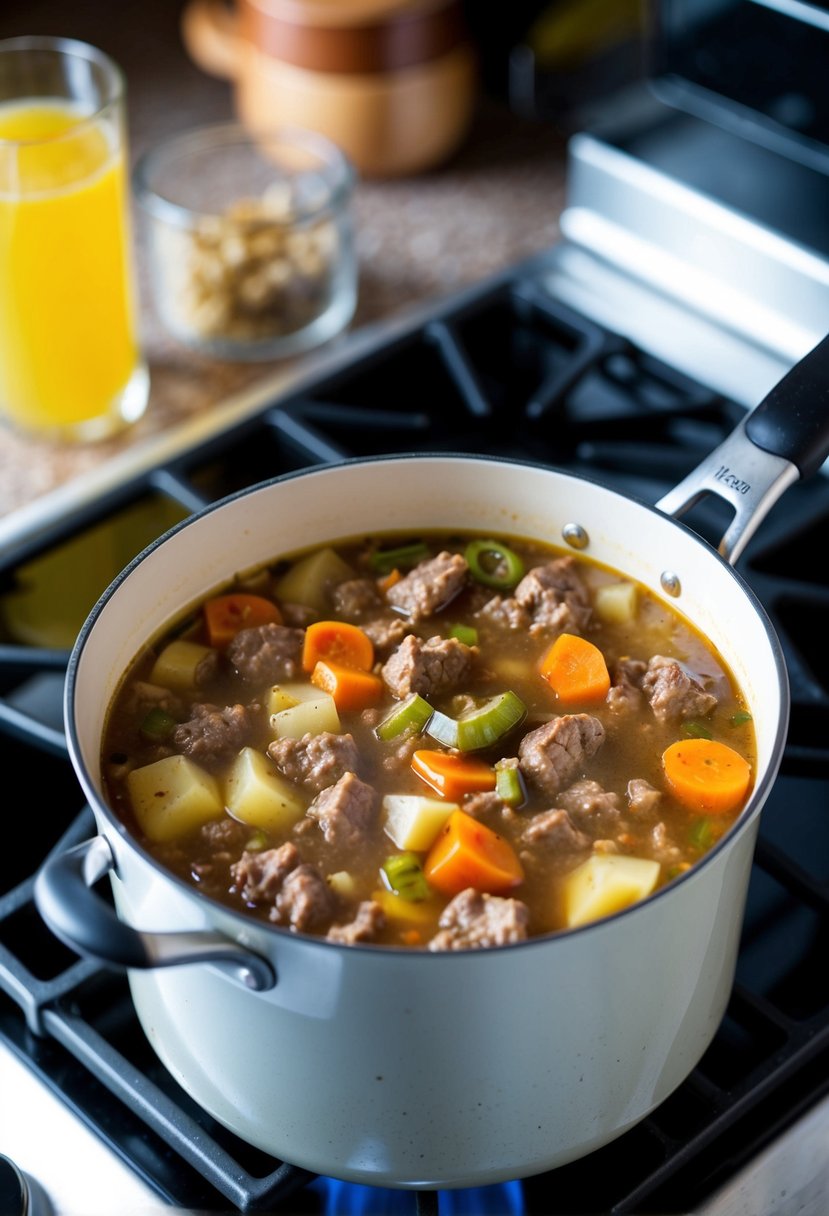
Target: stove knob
[18,1196]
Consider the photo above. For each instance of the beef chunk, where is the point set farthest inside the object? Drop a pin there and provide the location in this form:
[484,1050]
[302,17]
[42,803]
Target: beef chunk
[298,615]
[625,692]
[144,696]
[473,921]
[642,796]
[305,900]
[556,831]
[674,694]
[356,597]
[259,876]
[212,732]
[224,837]
[386,632]
[367,924]
[550,756]
[552,597]
[663,848]
[345,812]
[267,653]
[590,805]
[430,586]
[483,804]
[429,667]
[316,761]
[507,613]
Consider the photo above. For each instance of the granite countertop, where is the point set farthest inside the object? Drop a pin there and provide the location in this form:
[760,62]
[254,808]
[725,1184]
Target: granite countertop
[420,238]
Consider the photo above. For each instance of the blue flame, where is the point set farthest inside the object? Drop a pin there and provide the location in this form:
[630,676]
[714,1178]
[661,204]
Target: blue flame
[352,1199]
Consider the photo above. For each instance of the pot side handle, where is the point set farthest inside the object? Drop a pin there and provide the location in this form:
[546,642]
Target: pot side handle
[784,438]
[88,925]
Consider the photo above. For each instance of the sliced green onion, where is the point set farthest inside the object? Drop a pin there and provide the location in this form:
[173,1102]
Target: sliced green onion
[508,784]
[403,875]
[701,834]
[740,718]
[478,727]
[383,561]
[464,633]
[158,725]
[411,714]
[494,564]
[696,730]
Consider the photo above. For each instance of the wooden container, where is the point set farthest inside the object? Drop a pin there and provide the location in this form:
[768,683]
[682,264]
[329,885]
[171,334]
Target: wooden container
[392,82]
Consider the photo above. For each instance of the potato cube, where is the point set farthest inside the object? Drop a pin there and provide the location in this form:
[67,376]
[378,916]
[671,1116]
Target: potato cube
[309,580]
[413,822]
[616,603]
[172,797]
[286,696]
[407,911]
[606,883]
[178,663]
[313,715]
[258,795]
[342,883]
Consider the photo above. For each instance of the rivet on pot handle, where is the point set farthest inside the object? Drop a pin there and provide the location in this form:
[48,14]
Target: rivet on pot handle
[85,922]
[784,438]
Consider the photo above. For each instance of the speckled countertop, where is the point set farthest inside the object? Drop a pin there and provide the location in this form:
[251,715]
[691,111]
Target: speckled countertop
[419,238]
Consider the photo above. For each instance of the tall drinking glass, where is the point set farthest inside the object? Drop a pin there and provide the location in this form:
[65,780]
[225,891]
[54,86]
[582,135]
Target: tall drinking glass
[70,363]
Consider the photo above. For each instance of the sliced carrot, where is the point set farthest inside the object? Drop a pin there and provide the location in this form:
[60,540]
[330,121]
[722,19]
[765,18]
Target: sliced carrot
[469,854]
[350,687]
[387,582]
[576,670]
[706,775]
[337,642]
[225,615]
[452,775]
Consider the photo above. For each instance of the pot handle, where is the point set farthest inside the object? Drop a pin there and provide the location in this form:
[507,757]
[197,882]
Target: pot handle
[784,438]
[89,926]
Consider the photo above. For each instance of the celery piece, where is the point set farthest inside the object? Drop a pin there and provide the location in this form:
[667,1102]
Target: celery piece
[464,633]
[403,875]
[383,561]
[157,725]
[413,713]
[508,784]
[478,727]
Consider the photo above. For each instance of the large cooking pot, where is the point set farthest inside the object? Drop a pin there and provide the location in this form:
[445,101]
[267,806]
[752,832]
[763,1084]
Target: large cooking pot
[409,1068]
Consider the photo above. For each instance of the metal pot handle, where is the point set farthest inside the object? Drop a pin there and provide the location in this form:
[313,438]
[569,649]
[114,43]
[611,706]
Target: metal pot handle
[784,438]
[85,922]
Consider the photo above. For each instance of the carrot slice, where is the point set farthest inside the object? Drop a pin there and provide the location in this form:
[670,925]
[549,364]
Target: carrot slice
[469,854]
[451,775]
[350,687]
[706,775]
[575,669]
[226,615]
[337,642]
[385,584]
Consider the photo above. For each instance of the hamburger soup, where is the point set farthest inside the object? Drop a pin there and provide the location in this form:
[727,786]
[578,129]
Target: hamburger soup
[437,742]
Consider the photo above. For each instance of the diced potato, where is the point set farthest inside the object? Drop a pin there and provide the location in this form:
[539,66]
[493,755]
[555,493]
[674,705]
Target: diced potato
[178,663]
[172,797]
[258,795]
[310,580]
[409,911]
[342,883]
[286,696]
[313,715]
[616,603]
[507,669]
[606,883]
[413,822]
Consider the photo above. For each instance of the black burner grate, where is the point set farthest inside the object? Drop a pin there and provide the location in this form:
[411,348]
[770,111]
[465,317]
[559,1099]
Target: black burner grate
[507,371]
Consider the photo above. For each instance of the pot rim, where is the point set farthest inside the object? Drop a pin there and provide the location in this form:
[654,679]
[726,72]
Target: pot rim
[246,924]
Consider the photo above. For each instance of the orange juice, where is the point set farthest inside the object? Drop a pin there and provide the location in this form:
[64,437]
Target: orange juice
[68,348]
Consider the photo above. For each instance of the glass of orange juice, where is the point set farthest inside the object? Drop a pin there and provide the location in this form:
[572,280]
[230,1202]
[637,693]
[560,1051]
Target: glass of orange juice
[70,362]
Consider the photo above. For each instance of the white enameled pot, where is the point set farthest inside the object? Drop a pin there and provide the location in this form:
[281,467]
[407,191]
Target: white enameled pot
[406,1068]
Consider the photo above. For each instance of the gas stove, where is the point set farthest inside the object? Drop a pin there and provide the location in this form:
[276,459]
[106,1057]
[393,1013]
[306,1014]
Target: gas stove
[573,359]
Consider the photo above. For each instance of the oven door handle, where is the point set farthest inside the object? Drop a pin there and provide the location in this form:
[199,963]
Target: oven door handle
[85,922]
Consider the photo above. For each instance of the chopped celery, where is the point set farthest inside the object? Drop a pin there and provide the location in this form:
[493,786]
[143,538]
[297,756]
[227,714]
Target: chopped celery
[478,727]
[508,784]
[464,633]
[701,835]
[383,561]
[740,718]
[494,564]
[403,875]
[413,713]
[157,725]
[696,730]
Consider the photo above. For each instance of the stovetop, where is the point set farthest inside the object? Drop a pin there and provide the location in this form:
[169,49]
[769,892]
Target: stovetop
[506,369]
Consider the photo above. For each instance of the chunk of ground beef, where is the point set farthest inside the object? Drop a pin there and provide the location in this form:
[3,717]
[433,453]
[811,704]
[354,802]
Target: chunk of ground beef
[673,693]
[473,921]
[259,876]
[366,926]
[430,586]
[555,830]
[642,796]
[144,696]
[355,598]
[213,732]
[590,805]
[556,596]
[305,900]
[386,632]
[267,654]
[552,755]
[345,812]
[625,693]
[429,667]
[483,804]
[315,761]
